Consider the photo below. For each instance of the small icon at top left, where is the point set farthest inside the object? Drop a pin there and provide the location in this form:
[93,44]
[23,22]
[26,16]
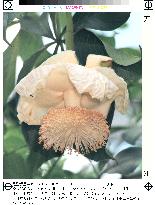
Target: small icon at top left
[7,4]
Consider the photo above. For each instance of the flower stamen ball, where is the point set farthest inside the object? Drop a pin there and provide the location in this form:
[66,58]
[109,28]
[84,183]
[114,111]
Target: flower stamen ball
[73,128]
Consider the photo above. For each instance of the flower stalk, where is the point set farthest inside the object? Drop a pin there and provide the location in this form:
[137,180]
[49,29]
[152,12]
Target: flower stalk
[69,40]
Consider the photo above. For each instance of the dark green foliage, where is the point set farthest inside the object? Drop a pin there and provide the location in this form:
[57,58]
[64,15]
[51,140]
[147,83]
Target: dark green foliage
[129,73]
[105,21]
[122,56]
[29,64]
[37,25]
[87,43]
[15,167]
[124,163]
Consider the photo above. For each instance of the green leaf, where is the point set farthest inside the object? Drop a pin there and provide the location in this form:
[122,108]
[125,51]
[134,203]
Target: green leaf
[14,167]
[13,139]
[122,56]
[43,56]
[9,65]
[127,161]
[61,19]
[24,45]
[107,41]
[58,22]
[29,64]
[8,17]
[28,44]
[10,111]
[132,134]
[135,91]
[136,174]
[106,21]
[37,25]
[129,73]
[87,43]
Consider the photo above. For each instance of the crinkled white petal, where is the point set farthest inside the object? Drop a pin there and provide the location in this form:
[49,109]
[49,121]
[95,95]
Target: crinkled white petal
[28,85]
[92,82]
[121,96]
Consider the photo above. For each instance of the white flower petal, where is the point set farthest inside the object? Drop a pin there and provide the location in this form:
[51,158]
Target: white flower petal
[121,96]
[61,82]
[37,76]
[28,85]
[98,60]
[30,112]
[91,81]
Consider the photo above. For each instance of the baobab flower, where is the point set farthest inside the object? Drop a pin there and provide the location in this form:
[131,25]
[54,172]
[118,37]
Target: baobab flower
[71,102]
